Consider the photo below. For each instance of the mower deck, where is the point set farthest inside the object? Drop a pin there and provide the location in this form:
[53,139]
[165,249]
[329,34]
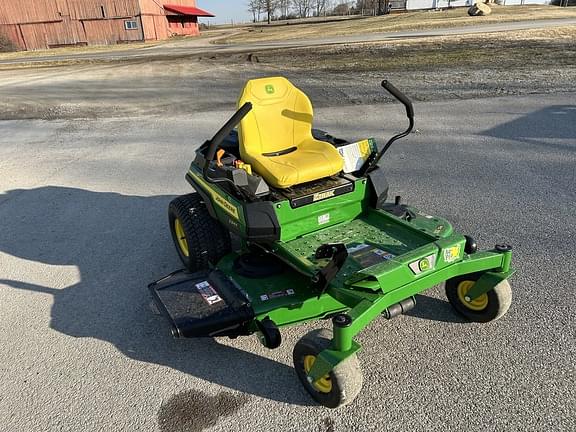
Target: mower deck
[388,236]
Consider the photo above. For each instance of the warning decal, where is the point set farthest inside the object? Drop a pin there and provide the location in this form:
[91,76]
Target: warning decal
[208,293]
[367,255]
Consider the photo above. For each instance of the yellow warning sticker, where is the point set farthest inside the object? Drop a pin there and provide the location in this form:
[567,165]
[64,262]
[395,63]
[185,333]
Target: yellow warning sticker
[356,154]
[452,254]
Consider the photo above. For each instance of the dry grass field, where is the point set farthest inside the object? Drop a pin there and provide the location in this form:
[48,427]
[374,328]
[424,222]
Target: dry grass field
[418,20]
[505,51]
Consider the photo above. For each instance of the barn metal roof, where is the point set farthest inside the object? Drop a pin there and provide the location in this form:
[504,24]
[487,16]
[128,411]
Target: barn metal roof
[187,10]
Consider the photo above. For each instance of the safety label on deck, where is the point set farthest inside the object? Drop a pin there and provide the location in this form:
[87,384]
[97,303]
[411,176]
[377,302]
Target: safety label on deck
[208,293]
[367,255]
[451,254]
[356,154]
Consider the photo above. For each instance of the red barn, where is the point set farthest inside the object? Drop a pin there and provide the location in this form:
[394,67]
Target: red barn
[39,24]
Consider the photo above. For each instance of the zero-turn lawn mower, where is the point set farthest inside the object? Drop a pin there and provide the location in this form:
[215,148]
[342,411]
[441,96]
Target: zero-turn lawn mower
[289,224]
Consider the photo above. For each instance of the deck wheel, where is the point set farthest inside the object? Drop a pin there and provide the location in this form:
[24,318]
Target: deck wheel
[489,306]
[337,388]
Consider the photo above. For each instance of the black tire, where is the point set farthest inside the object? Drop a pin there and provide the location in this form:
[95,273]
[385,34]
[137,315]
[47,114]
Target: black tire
[206,239]
[489,307]
[345,379]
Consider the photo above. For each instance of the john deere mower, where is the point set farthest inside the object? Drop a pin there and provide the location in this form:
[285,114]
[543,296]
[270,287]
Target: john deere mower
[289,224]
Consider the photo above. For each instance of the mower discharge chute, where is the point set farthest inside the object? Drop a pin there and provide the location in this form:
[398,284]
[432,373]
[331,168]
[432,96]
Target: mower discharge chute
[289,224]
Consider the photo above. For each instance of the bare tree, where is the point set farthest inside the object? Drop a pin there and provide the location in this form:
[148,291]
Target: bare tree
[269,7]
[382,7]
[302,7]
[319,7]
[373,7]
[284,6]
[366,6]
[341,9]
[331,5]
[255,8]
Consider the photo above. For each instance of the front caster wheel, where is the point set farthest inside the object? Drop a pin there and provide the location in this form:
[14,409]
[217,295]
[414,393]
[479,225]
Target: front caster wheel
[488,307]
[341,385]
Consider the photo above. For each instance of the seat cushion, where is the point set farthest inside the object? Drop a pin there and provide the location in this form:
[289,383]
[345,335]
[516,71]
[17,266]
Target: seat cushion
[276,135]
[311,160]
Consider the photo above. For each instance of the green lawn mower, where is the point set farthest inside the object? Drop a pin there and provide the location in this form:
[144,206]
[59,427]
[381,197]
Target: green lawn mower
[289,224]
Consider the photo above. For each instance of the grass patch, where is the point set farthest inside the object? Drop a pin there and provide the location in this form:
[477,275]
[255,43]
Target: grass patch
[80,50]
[499,51]
[420,20]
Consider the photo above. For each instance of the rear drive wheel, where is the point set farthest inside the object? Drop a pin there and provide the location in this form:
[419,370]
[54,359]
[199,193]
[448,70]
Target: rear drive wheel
[341,385]
[489,306]
[199,239]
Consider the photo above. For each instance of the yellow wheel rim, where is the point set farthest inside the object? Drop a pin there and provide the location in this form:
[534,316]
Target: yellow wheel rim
[324,384]
[478,304]
[181,237]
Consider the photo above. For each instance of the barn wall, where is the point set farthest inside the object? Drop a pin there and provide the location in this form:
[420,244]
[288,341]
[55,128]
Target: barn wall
[63,8]
[110,31]
[161,27]
[185,31]
[92,9]
[186,26]
[149,27]
[153,14]
[31,11]
[42,35]
[38,24]
[28,11]
[155,27]
[12,31]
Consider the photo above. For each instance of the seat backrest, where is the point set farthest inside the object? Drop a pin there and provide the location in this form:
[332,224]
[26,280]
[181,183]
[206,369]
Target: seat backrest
[281,117]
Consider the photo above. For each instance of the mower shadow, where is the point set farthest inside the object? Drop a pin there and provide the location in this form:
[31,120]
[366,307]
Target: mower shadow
[535,128]
[434,309]
[119,244]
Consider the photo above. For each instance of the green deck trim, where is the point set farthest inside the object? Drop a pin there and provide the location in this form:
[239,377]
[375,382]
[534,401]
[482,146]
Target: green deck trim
[369,309]
[317,216]
[213,190]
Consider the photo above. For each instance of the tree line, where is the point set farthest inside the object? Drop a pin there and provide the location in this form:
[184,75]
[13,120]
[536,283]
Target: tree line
[272,10]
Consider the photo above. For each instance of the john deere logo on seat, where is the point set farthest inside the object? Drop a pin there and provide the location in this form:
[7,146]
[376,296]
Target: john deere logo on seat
[270,89]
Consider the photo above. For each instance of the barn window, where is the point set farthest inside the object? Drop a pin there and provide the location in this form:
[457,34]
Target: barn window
[130,25]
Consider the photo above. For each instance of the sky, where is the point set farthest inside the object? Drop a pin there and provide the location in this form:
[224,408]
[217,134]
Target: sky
[225,11]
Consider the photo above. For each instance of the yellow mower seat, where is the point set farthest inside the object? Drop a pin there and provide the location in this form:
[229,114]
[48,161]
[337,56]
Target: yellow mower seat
[276,136]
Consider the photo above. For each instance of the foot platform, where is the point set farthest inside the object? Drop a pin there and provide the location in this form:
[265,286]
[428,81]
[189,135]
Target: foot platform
[202,304]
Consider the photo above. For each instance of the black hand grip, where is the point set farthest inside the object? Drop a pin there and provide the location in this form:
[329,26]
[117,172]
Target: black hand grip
[226,129]
[400,96]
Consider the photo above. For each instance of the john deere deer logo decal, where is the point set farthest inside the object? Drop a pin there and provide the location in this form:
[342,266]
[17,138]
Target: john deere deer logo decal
[270,89]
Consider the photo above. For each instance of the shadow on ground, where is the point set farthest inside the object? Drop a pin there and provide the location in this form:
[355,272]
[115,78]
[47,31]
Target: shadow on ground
[434,309]
[537,126]
[119,244]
